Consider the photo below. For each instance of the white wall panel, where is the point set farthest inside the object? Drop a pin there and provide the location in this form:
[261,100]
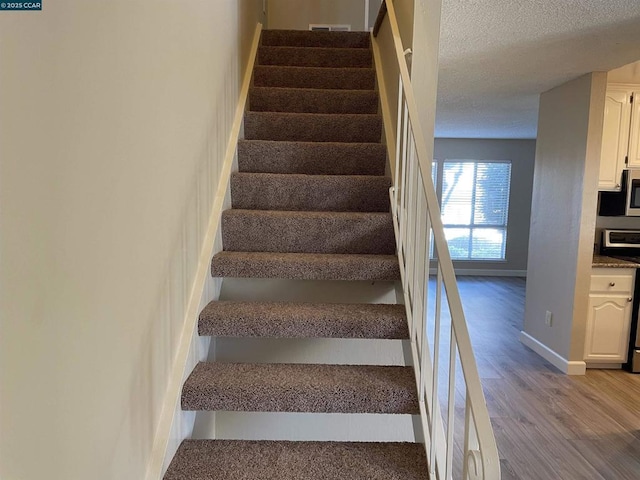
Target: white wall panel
[114,122]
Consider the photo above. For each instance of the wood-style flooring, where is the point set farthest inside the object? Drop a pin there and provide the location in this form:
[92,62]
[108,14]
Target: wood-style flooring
[548,426]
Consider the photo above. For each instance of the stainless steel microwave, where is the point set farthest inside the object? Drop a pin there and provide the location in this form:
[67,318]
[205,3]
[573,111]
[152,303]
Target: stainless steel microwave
[626,201]
[632,205]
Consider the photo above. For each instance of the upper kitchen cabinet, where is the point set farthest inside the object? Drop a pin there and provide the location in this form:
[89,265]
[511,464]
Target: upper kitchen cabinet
[615,137]
[634,135]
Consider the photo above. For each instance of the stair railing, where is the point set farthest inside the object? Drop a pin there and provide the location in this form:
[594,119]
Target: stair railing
[470,453]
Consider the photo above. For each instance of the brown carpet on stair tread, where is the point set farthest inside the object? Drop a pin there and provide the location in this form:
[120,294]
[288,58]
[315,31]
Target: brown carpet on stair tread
[308,232]
[282,460]
[334,193]
[308,38]
[305,266]
[310,100]
[311,158]
[313,127]
[303,320]
[286,387]
[315,57]
[314,77]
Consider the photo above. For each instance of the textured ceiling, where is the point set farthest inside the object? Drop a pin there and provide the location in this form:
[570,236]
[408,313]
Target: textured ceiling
[497,56]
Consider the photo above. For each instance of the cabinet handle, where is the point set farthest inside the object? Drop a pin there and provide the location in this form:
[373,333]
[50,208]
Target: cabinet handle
[617,185]
[612,284]
[629,299]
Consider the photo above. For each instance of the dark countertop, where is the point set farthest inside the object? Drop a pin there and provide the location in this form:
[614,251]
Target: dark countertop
[600,261]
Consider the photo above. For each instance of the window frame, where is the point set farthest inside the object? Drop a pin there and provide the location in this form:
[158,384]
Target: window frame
[437,176]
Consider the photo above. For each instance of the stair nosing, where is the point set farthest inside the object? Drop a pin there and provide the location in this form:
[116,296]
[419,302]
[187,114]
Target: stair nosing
[321,266]
[316,48]
[278,319]
[310,67]
[302,213]
[336,255]
[373,115]
[282,387]
[318,175]
[324,144]
[220,459]
[329,91]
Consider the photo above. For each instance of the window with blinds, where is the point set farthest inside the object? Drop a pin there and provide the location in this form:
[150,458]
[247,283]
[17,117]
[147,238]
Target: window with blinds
[474,198]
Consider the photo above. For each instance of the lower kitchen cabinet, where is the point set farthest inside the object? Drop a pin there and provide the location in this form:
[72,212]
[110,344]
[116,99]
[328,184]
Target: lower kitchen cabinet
[609,318]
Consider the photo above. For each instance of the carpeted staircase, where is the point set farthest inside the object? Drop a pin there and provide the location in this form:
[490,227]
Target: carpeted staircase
[310,202]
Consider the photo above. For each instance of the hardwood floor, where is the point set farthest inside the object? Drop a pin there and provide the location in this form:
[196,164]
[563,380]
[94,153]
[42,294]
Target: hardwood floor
[548,426]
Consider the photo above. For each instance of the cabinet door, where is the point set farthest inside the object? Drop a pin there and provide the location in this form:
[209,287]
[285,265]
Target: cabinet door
[634,135]
[615,139]
[608,324]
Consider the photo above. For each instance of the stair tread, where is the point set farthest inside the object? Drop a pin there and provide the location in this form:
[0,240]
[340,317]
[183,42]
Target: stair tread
[311,158]
[328,116]
[288,387]
[337,193]
[245,212]
[308,232]
[309,38]
[326,91]
[306,266]
[315,50]
[312,100]
[315,56]
[286,460]
[303,320]
[313,127]
[314,77]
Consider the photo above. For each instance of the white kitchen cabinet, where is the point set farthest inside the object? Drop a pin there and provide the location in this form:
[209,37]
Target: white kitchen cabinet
[609,317]
[634,132]
[615,138]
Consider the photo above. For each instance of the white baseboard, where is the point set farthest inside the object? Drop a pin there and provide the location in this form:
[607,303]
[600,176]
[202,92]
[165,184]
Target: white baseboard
[561,363]
[487,272]
[484,272]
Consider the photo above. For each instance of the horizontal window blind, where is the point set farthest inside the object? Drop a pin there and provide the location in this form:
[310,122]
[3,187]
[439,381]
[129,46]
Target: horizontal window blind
[474,198]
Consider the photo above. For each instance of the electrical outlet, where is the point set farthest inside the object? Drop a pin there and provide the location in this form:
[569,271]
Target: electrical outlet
[548,319]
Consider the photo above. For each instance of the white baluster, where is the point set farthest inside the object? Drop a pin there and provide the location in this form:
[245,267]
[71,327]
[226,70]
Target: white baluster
[451,406]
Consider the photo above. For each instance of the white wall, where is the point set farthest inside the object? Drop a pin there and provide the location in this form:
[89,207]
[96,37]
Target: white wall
[563,215]
[297,15]
[374,9]
[114,120]
[522,156]
[424,63]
